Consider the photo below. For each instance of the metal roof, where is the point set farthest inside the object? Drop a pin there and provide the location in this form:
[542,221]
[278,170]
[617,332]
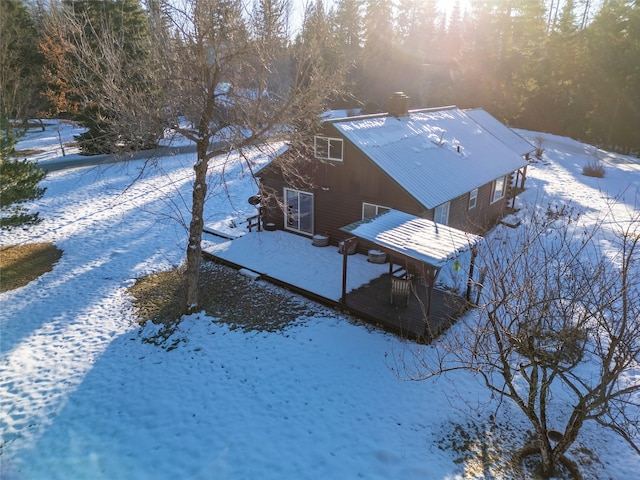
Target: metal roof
[415,237]
[436,155]
[503,133]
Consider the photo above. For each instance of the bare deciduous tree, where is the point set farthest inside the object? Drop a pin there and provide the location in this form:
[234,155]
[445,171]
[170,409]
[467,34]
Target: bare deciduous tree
[215,64]
[558,329]
[225,68]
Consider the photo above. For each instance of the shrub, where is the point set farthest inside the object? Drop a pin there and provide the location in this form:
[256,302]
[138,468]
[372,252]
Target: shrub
[539,146]
[594,168]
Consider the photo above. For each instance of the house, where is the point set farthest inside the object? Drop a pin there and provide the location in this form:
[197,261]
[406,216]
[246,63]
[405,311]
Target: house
[460,168]
[417,186]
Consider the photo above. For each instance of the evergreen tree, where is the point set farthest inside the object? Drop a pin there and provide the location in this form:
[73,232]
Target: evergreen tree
[316,33]
[560,103]
[270,37]
[528,47]
[476,80]
[98,50]
[500,60]
[417,26]
[379,54]
[348,27]
[348,35]
[20,62]
[18,183]
[613,40]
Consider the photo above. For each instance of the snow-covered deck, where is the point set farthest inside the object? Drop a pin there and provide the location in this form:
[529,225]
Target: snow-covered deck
[293,260]
[316,272]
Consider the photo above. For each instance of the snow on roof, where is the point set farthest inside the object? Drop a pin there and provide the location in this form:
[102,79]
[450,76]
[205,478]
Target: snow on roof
[436,155]
[500,131]
[344,113]
[272,151]
[413,236]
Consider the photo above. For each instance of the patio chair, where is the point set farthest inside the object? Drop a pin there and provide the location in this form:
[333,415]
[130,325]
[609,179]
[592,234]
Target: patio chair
[400,287]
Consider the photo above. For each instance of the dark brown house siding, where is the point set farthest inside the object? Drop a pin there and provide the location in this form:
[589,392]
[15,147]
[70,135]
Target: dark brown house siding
[479,219]
[340,188]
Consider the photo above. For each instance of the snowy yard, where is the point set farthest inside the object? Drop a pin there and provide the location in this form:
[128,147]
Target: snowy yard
[84,396]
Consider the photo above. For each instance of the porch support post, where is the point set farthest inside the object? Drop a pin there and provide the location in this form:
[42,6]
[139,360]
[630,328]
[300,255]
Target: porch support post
[343,299]
[346,245]
[430,278]
[430,275]
[474,254]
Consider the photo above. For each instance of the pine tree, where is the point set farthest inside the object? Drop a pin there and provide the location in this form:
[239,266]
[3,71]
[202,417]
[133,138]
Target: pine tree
[18,183]
[560,103]
[269,35]
[348,34]
[613,40]
[20,62]
[379,54]
[417,27]
[98,50]
[316,33]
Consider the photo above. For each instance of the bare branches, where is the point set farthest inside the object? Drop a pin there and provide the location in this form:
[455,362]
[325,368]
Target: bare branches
[221,73]
[558,312]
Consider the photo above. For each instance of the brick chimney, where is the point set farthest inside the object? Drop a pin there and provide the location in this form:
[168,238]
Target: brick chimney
[399,104]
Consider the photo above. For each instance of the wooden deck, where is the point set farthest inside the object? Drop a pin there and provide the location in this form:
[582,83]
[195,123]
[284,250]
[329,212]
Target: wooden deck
[372,303]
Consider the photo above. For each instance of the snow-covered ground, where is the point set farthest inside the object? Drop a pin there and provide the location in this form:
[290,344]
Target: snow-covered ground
[83,396]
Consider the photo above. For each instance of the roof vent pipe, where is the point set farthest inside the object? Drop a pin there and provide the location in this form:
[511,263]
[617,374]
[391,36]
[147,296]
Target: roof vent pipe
[399,104]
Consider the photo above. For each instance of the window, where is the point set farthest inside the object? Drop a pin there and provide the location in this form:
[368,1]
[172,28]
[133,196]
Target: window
[327,148]
[370,210]
[473,198]
[499,187]
[298,215]
[441,214]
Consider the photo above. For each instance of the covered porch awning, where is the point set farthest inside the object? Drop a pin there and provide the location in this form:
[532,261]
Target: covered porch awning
[412,237]
[416,243]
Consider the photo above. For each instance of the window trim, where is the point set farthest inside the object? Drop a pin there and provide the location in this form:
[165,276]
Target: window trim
[286,213]
[446,206]
[378,207]
[495,191]
[328,148]
[473,199]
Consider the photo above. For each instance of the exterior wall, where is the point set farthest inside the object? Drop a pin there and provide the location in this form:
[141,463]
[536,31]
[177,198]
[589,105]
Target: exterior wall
[344,186]
[271,190]
[480,219]
[340,188]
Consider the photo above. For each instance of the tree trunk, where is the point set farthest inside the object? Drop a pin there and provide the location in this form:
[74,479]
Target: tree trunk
[194,247]
[548,464]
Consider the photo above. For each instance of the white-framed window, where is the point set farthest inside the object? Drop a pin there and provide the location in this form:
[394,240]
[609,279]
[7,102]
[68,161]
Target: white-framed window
[473,198]
[328,148]
[370,210]
[499,189]
[298,215]
[441,214]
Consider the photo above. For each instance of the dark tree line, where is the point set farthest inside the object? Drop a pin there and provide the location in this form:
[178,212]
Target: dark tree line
[222,74]
[564,66]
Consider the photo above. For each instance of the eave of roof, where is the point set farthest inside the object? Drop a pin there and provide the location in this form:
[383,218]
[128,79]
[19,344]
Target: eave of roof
[273,154]
[415,237]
